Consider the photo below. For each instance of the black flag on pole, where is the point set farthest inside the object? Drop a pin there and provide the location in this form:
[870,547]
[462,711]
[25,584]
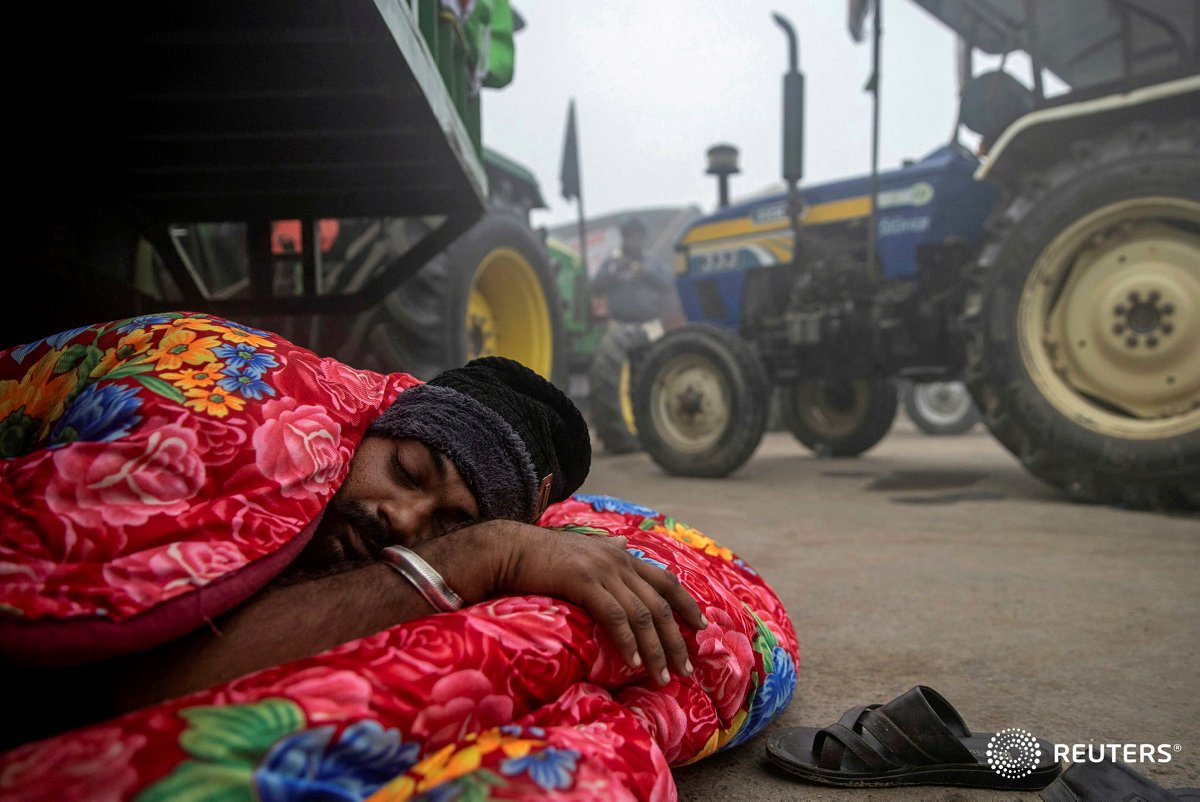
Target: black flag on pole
[569,172]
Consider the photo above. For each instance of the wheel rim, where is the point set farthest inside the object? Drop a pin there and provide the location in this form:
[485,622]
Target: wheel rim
[624,387]
[942,403]
[690,404]
[507,314]
[833,409]
[1108,319]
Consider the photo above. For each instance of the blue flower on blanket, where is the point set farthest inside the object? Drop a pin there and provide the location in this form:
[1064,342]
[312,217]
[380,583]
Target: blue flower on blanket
[610,504]
[641,555]
[246,357]
[770,698]
[551,768]
[247,382]
[101,412]
[55,341]
[313,765]
[144,321]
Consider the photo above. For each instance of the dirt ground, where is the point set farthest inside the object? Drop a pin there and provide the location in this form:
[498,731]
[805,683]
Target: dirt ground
[939,561]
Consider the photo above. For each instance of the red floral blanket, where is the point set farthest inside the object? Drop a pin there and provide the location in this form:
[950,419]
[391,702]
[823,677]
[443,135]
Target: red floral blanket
[158,471]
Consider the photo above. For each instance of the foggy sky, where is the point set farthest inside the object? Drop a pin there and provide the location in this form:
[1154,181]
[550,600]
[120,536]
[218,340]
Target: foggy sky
[657,82]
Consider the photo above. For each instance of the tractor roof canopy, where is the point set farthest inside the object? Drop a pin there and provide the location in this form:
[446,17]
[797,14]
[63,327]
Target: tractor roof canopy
[1086,43]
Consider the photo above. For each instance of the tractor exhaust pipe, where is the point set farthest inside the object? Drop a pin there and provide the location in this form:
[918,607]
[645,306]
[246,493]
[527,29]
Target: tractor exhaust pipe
[793,126]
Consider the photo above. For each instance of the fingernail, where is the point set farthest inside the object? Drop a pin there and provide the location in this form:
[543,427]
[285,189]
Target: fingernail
[636,661]
[664,677]
[703,622]
[687,667]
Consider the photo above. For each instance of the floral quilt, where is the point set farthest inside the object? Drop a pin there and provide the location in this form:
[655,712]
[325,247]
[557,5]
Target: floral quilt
[152,467]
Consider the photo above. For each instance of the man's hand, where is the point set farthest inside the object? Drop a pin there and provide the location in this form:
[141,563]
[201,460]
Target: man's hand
[631,599]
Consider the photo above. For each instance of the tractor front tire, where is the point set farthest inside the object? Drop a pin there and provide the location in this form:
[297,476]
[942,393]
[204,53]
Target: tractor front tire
[609,395]
[700,401]
[1084,320]
[840,418]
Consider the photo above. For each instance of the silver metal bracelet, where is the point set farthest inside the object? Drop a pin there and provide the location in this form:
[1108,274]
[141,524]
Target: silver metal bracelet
[424,578]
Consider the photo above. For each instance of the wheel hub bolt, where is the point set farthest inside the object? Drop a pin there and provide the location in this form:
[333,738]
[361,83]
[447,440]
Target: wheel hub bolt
[1167,328]
[1119,310]
[1118,329]
[1135,298]
[1151,341]
[1132,342]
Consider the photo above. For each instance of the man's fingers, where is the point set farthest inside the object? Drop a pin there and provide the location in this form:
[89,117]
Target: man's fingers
[645,629]
[613,616]
[667,630]
[671,589]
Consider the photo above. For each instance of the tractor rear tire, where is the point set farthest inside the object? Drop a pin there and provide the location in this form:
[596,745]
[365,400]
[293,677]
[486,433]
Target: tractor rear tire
[491,292]
[940,409]
[610,385]
[840,418]
[700,401]
[1084,320]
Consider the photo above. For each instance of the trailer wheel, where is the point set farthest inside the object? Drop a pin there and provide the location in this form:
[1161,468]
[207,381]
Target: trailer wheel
[840,418]
[940,408]
[490,293]
[1084,322]
[610,393]
[700,401]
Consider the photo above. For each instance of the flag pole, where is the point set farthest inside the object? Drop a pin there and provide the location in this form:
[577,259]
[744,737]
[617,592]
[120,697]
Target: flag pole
[572,179]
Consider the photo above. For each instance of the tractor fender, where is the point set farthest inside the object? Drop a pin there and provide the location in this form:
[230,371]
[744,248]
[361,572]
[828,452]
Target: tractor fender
[1037,138]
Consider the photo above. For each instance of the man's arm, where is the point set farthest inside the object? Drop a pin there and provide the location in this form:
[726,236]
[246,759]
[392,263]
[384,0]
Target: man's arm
[633,600]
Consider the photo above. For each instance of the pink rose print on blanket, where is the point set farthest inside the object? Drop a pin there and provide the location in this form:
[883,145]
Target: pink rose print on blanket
[461,703]
[93,765]
[323,693]
[300,447]
[98,485]
[349,390]
[723,660]
[147,576]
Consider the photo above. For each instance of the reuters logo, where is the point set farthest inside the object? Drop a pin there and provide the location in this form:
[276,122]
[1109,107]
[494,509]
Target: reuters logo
[1013,753]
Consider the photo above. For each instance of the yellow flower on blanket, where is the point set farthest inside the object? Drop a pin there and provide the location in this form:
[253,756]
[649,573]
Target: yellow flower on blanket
[180,347]
[688,536]
[191,378]
[40,393]
[134,343]
[213,401]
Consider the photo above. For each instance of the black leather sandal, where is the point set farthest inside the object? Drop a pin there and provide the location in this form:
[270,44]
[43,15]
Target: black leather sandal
[1105,780]
[918,738]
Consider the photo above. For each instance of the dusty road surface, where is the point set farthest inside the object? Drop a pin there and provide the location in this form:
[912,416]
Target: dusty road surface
[939,561]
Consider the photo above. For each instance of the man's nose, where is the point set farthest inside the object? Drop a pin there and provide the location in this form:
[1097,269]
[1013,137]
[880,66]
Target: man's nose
[408,518]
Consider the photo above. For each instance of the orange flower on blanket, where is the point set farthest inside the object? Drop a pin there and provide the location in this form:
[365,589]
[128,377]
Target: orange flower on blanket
[180,347]
[456,760]
[190,323]
[688,536]
[245,337]
[40,393]
[134,343]
[191,378]
[215,402]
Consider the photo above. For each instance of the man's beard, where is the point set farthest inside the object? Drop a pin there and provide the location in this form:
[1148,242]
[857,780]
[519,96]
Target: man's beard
[329,552]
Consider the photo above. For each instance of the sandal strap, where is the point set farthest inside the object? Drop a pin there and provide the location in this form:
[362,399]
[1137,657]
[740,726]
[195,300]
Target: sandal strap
[917,728]
[831,743]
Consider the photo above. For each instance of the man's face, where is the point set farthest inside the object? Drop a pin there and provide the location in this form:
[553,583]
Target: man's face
[397,492]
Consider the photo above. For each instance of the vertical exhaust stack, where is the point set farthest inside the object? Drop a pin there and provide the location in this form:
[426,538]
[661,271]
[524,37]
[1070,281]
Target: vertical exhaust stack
[722,162]
[793,125]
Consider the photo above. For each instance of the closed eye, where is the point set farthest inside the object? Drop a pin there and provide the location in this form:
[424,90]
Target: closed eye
[402,476]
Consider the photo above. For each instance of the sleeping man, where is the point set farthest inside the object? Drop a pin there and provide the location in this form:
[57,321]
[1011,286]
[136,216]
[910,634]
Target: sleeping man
[455,472]
[231,568]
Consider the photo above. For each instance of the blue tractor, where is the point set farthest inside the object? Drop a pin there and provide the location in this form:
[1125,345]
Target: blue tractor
[1055,268]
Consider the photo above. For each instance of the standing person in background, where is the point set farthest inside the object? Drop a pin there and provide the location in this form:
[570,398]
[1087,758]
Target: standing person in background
[632,287]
